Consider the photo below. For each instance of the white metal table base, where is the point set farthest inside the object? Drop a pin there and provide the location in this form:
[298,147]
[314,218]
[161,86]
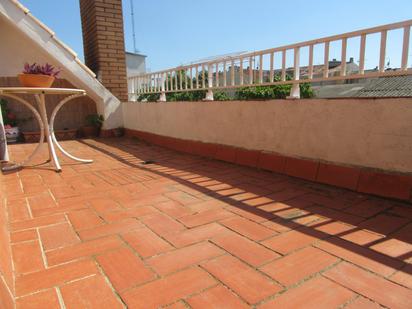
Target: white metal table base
[46,131]
[51,129]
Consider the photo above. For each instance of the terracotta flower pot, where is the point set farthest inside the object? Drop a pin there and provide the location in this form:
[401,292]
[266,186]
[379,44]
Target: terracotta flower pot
[90,131]
[118,132]
[36,80]
[34,137]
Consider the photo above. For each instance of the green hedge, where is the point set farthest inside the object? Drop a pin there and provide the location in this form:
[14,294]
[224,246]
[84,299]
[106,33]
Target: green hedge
[272,92]
[196,95]
[245,93]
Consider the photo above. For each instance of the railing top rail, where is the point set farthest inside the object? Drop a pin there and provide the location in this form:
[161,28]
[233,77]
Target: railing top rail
[338,37]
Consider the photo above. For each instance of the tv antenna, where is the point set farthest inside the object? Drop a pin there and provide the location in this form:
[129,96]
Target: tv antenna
[133,27]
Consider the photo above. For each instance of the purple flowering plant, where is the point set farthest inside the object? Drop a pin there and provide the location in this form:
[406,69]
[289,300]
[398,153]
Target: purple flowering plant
[46,69]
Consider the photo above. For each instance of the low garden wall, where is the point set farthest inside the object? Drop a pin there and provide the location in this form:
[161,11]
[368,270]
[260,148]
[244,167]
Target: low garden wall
[360,144]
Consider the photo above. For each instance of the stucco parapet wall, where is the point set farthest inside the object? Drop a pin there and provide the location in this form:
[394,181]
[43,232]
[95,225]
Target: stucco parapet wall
[373,133]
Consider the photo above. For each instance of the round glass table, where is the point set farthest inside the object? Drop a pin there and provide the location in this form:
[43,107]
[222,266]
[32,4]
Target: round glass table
[46,126]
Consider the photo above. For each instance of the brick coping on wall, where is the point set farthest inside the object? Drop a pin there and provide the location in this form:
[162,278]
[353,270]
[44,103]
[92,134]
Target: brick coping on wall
[360,179]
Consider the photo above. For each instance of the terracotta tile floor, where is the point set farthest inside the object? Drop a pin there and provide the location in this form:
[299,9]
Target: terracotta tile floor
[189,232]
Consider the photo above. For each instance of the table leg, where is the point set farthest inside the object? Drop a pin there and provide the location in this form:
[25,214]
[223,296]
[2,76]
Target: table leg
[52,152]
[51,127]
[41,125]
[4,155]
[46,131]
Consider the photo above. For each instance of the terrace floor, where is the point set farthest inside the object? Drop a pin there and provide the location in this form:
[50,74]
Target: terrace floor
[189,232]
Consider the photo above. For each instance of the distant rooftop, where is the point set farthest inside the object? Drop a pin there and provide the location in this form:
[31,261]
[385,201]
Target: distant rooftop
[397,86]
[394,86]
[138,54]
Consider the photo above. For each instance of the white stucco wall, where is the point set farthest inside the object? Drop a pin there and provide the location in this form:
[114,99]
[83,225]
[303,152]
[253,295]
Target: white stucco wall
[15,50]
[135,64]
[24,40]
[373,133]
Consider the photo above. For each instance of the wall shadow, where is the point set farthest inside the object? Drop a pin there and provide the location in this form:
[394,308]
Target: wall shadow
[312,209]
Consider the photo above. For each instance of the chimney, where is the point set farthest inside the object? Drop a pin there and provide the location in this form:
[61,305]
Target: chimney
[103,43]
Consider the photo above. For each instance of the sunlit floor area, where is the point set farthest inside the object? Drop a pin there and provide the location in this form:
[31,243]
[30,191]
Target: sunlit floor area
[147,227]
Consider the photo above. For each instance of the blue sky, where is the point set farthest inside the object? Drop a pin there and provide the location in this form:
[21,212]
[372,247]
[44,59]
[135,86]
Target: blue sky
[173,32]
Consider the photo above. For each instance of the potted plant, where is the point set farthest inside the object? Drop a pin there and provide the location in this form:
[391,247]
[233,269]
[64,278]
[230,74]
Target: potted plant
[118,132]
[39,76]
[94,123]
[11,129]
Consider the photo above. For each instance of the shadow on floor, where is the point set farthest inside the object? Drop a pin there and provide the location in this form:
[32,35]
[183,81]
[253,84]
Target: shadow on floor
[364,226]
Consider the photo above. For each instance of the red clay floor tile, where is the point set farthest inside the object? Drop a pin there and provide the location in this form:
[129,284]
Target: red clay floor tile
[297,266]
[59,235]
[361,256]
[250,229]
[195,235]
[91,292]
[182,258]
[146,243]
[245,249]
[291,241]
[27,257]
[248,283]
[371,286]
[53,276]
[217,298]
[169,289]
[43,299]
[315,293]
[124,268]
[84,249]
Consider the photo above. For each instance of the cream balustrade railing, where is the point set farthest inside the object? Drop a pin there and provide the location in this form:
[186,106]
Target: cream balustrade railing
[258,68]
